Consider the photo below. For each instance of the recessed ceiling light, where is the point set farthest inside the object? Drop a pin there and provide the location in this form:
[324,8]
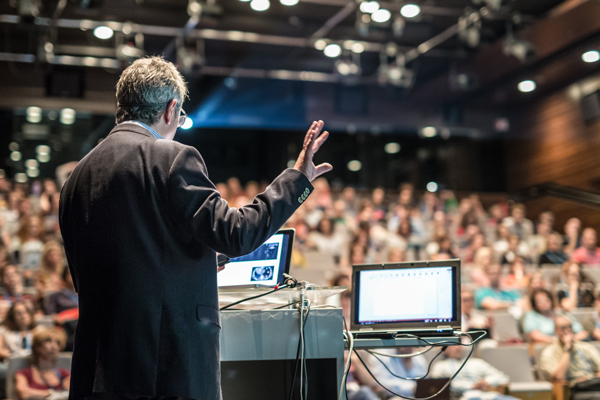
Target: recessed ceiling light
[332,50]
[410,10]
[526,86]
[432,187]
[103,32]
[260,5]
[320,44]
[381,15]
[289,2]
[429,131]
[354,165]
[369,7]
[392,148]
[591,56]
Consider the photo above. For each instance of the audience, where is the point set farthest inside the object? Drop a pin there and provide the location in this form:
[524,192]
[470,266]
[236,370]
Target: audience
[66,298]
[588,253]
[495,297]
[44,379]
[471,319]
[384,368]
[553,254]
[16,330]
[475,381]
[13,290]
[569,359]
[538,323]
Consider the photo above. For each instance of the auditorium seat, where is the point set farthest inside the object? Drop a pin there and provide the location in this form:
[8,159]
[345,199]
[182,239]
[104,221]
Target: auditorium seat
[17,363]
[505,328]
[514,361]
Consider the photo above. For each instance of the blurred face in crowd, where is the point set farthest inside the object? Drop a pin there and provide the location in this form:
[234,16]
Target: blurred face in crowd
[358,254]
[349,194]
[543,302]
[22,316]
[493,273]
[496,212]
[49,187]
[223,190]
[536,281]
[234,186]
[553,243]
[547,218]
[573,226]
[513,242]
[11,280]
[454,352]
[518,214]
[48,349]
[251,189]
[325,226]
[439,218]
[14,198]
[478,241]
[588,239]
[54,256]
[405,197]
[483,257]
[573,271]
[503,231]
[543,229]
[34,227]
[465,206]
[517,266]
[472,230]
[396,254]
[467,301]
[562,327]
[339,209]
[377,196]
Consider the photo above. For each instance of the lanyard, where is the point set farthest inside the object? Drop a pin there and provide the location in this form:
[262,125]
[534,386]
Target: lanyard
[55,370]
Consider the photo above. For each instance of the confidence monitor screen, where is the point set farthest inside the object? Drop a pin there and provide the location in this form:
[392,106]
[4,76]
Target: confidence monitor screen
[264,266]
[407,295]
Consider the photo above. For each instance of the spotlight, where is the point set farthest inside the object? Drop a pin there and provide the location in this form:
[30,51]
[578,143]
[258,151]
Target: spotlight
[15,156]
[67,116]
[347,67]
[428,132]
[358,48]
[31,163]
[369,7]
[42,149]
[410,10]
[260,5]
[432,187]
[13,146]
[289,2]
[382,15]
[392,148]
[354,165]
[187,124]
[21,177]
[331,50]
[33,172]
[395,73]
[520,49]
[591,56]
[34,114]
[320,44]
[103,32]
[527,86]
[43,158]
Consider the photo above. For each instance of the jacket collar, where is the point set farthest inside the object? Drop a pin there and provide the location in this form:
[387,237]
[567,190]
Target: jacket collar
[135,128]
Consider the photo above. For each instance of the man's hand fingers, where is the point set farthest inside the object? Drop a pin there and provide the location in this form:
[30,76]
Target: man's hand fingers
[323,168]
[309,134]
[319,142]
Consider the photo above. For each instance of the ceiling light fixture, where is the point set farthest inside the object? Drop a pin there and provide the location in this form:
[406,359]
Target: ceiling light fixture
[527,86]
[369,7]
[289,2]
[331,50]
[590,56]
[103,32]
[260,5]
[382,15]
[410,10]
[320,44]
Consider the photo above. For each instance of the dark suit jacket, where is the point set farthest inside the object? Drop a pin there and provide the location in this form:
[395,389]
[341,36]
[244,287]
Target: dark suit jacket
[141,222]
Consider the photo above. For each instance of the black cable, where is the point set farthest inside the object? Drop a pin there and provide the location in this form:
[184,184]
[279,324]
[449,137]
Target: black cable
[297,359]
[285,305]
[447,383]
[253,297]
[407,378]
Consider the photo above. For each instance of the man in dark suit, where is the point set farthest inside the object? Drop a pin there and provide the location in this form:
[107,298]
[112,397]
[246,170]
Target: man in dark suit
[141,222]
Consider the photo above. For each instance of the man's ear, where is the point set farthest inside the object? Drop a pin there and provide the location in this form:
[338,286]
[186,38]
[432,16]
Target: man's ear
[168,114]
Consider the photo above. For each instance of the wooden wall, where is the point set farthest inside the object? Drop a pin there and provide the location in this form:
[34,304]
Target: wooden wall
[550,142]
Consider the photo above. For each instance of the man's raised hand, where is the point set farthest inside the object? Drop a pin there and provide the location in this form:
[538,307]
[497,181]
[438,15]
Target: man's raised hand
[312,143]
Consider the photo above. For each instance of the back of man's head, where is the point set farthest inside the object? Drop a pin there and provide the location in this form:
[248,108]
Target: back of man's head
[146,87]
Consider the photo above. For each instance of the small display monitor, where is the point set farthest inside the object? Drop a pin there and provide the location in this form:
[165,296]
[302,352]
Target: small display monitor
[406,296]
[265,266]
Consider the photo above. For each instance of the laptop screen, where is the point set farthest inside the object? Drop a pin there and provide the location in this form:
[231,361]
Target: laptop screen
[406,295]
[264,266]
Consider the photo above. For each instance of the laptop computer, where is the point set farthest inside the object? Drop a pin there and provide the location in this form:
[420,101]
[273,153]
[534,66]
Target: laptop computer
[264,267]
[421,298]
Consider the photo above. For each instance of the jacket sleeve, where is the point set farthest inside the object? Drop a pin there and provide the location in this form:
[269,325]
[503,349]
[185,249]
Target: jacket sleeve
[199,210]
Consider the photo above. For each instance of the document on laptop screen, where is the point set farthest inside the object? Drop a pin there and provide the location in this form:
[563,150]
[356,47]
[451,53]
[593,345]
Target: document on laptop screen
[403,295]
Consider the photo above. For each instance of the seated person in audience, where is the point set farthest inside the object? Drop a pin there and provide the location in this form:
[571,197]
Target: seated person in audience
[16,331]
[569,359]
[536,281]
[516,248]
[572,238]
[575,288]
[483,258]
[471,319]
[53,264]
[66,299]
[495,297]
[538,242]
[469,252]
[475,381]
[517,278]
[553,254]
[13,287]
[518,224]
[396,254]
[588,253]
[592,323]
[44,380]
[409,367]
[538,323]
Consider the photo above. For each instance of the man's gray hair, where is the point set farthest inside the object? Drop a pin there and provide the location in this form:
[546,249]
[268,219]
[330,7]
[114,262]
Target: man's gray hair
[146,87]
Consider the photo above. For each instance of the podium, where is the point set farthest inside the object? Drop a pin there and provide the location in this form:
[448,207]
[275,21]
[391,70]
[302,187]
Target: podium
[259,347]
